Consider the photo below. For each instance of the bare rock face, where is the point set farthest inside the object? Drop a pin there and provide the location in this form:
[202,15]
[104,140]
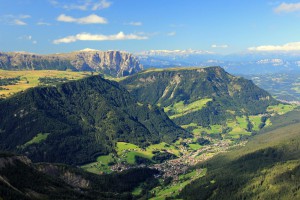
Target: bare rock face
[6,161]
[113,63]
[64,174]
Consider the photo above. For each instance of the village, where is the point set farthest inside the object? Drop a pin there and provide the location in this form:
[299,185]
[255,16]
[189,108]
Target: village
[175,167]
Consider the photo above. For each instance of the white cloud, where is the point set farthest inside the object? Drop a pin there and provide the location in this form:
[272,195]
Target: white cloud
[25,37]
[102,4]
[91,19]
[19,22]
[99,37]
[222,46]
[135,23]
[287,7]
[43,24]
[293,46]
[25,16]
[83,4]
[171,33]
[76,7]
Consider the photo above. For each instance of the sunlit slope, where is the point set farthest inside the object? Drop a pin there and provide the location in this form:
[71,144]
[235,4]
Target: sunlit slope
[198,98]
[268,167]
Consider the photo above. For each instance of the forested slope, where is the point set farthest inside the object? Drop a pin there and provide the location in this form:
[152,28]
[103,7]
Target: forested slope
[76,121]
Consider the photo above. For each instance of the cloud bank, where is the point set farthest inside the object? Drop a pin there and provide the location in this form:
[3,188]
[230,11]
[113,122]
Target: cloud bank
[91,19]
[18,20]
[293,46]
[222,46]
[83,4]
[287,8]
[99,37]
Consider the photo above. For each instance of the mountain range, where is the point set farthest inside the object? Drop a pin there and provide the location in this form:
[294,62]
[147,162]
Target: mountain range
[243,63]
[113,63]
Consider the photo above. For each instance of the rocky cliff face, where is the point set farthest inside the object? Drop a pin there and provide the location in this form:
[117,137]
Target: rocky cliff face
[114,63]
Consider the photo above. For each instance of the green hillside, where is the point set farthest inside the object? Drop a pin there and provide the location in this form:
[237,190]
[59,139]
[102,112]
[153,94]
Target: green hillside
[267,167]
[201,98]
[12,82]
[77,121]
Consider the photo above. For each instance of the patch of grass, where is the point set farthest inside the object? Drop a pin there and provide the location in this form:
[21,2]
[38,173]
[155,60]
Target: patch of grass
[96,168]
[101,166]
[181,109]
[105,159]
[281,109]
[255,121]
[242,122]
[121,146]
[36,139]
[213,129]
[195,146]
[137,191]
[164,147]
[127,151]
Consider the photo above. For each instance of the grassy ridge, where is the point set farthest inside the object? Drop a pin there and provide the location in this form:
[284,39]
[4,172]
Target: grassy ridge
[29,79]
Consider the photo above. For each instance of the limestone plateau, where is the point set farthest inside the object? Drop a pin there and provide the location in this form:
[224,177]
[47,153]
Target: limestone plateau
[113,63]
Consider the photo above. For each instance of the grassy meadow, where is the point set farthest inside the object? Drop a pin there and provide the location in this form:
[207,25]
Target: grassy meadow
[29,79]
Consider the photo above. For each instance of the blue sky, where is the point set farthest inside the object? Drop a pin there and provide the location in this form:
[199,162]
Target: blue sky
[231,26]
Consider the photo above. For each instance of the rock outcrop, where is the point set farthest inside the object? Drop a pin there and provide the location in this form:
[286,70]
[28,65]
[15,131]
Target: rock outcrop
[113,63]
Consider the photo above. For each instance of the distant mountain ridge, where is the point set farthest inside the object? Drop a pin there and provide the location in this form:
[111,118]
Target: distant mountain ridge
[244,63]
[113,63]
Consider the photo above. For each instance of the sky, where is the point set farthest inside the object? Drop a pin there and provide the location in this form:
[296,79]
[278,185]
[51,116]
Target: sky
[231,26]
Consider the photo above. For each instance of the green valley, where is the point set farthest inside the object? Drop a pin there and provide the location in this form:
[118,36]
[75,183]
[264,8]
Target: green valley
[177,122]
